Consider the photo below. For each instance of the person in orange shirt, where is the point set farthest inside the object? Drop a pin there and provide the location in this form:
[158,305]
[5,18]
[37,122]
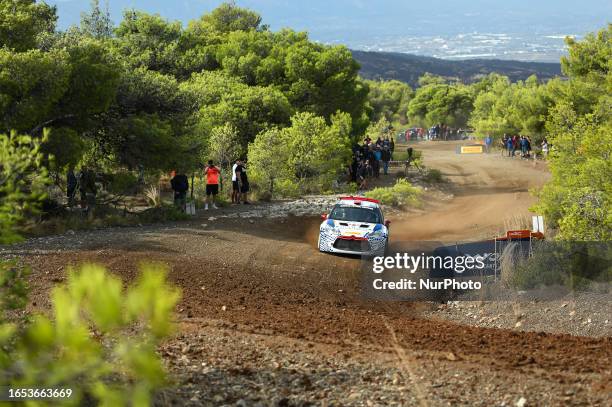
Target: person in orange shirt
[213,184]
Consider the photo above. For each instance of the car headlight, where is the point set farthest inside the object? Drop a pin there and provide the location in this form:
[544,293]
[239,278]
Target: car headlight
[378,232]
[328,226]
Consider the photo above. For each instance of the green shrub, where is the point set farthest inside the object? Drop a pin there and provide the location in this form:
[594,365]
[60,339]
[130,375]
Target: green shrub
[433,176]
[401,194]
[99,340]
[304,158]
[23,179]
[123,183]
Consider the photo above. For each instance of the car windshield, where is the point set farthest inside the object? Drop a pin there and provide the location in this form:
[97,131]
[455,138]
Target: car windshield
[356,214]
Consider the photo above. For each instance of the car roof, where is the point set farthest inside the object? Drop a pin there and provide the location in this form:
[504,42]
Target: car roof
[359,201]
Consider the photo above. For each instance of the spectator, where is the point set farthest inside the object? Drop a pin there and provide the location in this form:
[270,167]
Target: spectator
[88,190]
[545,148]
[71,186]
[528,142]
[369,160]
[353,169]
[235,184]
[376,162]
[180,186]
[213,179]
[515,144]
[386,157]
[243,180]
[523,145]
[510,146]
[386,142]
[356,150]
[362,174]
[488,142]
[391,147]
[365,150]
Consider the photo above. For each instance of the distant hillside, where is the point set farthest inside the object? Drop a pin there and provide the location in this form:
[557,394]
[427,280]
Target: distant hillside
[408,68]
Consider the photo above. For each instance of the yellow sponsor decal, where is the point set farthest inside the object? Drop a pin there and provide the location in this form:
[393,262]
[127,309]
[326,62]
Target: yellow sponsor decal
[351,233]
[471,150]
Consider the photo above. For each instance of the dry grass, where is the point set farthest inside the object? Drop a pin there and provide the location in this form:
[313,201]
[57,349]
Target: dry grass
[517,222]
[507,262]
[153,195]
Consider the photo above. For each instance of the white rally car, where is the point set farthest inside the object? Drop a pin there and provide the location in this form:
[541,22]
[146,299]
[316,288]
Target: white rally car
[355,226]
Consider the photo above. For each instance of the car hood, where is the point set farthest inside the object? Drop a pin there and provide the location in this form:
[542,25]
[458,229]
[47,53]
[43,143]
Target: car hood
[356,229]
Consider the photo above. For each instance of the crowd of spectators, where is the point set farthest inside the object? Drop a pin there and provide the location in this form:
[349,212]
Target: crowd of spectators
[517,145]
[369,158]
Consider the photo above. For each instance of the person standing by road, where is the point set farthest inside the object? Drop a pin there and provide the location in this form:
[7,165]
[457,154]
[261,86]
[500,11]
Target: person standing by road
[488,142]
[71,186]
[180,186]
[509,146]
[386,143]
[362,175]
[545,148]
[243,180]
[89,190]
[528,145]
[213,181]
[386,157]
[235,184]
[523,145]
[377,160]
[353,169]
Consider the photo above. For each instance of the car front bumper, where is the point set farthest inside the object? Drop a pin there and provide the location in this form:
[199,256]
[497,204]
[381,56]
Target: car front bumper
[331,242]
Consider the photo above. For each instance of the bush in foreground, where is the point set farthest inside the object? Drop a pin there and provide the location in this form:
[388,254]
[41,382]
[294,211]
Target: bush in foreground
[99,339]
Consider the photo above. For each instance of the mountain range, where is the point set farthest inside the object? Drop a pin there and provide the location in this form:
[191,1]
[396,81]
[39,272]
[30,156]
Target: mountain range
[409,68]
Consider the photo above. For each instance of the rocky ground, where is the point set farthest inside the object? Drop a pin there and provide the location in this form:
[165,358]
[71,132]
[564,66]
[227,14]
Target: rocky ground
[585,314]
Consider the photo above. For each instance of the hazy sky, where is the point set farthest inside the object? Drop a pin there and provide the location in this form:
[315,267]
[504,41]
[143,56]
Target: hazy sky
[361,16]
[368,23]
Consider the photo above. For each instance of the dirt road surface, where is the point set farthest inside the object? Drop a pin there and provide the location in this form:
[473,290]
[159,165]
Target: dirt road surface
[267,320]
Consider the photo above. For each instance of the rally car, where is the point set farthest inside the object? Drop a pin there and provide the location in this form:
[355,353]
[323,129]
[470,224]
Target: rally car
[355,225]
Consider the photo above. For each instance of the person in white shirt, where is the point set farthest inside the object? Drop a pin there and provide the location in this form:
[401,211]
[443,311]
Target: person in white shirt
[545,148]
[235,184]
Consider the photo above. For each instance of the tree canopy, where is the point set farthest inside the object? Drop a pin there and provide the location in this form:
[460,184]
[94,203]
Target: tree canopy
[148,92]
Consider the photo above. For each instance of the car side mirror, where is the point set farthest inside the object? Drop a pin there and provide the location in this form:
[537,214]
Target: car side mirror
[387,223]
[324,216]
